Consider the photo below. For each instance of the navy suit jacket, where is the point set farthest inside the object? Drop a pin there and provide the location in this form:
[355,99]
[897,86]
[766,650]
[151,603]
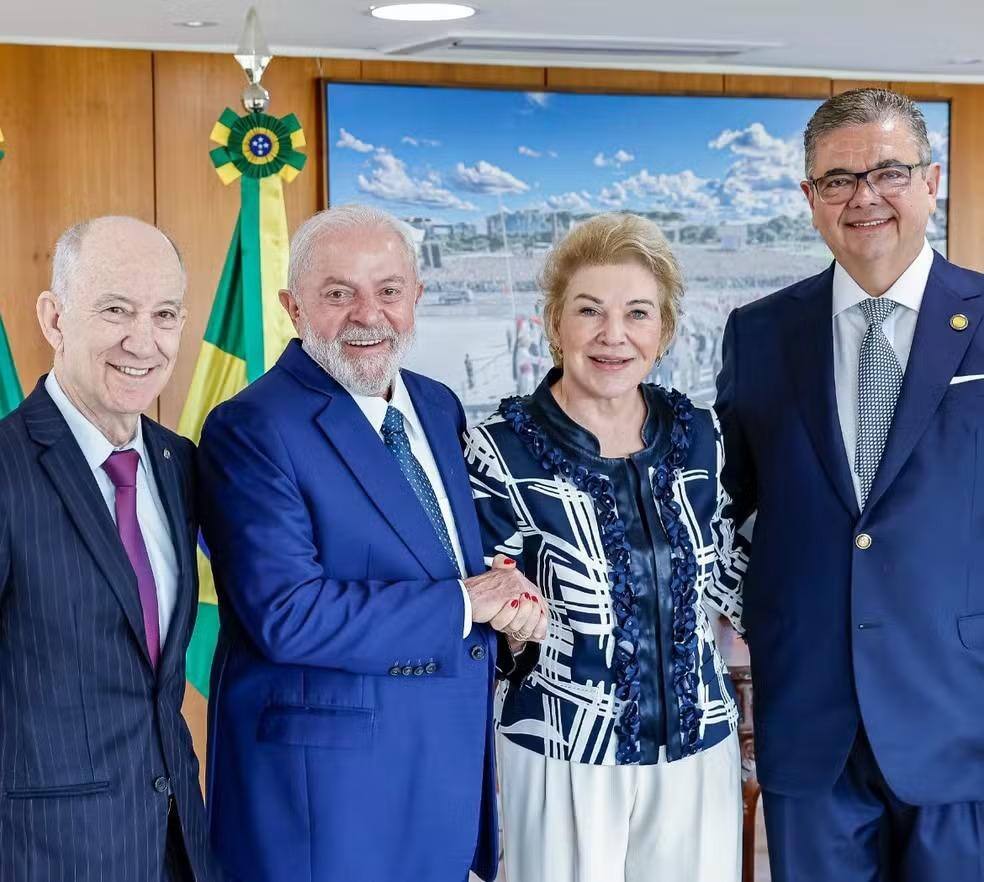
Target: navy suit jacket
[349,723]
[91,738]
[892,635]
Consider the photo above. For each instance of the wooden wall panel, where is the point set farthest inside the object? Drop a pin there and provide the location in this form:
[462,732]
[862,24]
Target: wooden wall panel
[838,86]
[966,220]
[781,87]
[583,79]
[193,206]
[453,74]
[78,125]
[927,91]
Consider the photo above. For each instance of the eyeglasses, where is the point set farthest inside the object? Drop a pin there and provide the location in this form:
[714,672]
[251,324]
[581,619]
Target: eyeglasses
[886,181]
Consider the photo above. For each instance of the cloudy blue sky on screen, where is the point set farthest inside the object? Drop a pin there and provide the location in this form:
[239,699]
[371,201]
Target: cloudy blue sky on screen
[452,154]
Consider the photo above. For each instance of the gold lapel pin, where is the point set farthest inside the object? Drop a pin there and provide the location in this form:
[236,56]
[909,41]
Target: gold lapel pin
[959,322]
[167,453]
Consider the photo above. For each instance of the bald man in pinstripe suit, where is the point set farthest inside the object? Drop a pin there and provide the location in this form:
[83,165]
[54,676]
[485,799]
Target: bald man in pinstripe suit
[98,779]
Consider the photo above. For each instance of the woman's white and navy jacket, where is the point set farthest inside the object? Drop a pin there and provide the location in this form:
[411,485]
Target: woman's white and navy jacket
[628,553]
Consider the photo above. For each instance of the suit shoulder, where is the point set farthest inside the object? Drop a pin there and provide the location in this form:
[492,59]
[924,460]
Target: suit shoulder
[765,308]
[960,278]
[183,446]
[14,443]
[434,387]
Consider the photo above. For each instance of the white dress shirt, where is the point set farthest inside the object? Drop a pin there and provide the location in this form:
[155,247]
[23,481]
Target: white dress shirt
[849,329]
[374,407]
[150,510]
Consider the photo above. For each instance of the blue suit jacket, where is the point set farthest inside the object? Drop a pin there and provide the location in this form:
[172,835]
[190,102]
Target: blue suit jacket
[349,722]
[87,728]
[891,636]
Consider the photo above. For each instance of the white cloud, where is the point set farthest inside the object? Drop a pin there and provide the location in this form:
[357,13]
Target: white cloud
[523,150]
[538,99]
[571,201]
[389,180]
[485,178]
[763,180]
[419,142]
[348,140]
[552,154]
[614,196]
[619,158]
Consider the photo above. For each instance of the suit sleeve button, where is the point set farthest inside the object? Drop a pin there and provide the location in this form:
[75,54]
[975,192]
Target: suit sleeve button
[477,652]
[395,671]
[431,668]
[418,671]
[408,671]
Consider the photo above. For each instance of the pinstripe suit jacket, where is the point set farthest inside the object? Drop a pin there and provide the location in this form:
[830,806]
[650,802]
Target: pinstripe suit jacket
[90,736]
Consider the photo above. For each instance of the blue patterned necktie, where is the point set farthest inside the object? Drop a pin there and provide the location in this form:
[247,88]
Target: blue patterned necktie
[879,384]
[395,437]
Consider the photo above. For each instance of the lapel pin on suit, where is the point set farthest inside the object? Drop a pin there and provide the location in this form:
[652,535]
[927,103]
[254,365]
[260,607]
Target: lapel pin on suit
[167,453]
[959,322]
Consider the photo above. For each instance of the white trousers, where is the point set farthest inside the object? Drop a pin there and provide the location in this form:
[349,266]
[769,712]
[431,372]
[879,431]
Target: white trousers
[574,822]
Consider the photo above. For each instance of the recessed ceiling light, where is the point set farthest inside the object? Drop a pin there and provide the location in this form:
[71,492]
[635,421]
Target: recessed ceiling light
[195,23]
[422,11]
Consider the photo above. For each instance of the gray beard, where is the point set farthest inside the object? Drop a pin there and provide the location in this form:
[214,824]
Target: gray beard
[363,376]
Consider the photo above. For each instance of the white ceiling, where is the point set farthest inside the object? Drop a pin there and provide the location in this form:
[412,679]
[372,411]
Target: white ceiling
[899,39]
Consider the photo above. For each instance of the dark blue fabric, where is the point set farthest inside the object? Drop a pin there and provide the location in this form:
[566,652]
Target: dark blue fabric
[350,725]
[889,635]
[861,832]
[86,727]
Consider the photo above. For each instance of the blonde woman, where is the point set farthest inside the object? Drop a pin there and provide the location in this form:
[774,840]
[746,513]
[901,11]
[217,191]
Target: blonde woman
[619,753]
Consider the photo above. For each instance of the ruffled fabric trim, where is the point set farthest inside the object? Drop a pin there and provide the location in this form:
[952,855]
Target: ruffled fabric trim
[683,576]
[625,662]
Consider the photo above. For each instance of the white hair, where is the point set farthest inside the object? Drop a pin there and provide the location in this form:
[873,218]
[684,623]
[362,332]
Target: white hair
[68,250]
[343,217]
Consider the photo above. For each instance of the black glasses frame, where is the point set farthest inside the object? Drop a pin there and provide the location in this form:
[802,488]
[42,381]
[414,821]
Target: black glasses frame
[863,176]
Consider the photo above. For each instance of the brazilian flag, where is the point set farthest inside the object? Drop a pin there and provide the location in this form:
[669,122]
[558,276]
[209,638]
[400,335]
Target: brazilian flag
[248,328]
[11,393]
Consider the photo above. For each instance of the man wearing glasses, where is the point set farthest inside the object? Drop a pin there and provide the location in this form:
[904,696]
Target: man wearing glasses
[853,410]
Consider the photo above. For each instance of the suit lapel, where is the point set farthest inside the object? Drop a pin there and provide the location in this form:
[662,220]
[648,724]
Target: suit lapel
[937,351]
[167,475]
[73,481]
[809,343]
[441,428]
[380,475]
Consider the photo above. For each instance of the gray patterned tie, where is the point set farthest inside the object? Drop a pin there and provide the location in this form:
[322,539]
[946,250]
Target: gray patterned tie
[879,384]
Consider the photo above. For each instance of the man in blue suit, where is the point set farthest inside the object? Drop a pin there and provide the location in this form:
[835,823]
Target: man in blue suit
[98,585]
[853,410]
[350,711]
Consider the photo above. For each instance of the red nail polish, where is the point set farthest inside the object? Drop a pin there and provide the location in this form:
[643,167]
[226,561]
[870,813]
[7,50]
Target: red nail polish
[514,603]
[508,561]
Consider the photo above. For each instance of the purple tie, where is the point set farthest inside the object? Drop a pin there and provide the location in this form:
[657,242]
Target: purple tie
[122,470]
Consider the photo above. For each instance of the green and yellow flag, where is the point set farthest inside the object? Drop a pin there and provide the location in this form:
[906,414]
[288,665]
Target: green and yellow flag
[11,393]
[248,329]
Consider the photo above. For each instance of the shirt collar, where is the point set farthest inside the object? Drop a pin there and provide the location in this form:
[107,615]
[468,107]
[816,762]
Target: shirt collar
[374,407]
[95,447]
[907,291]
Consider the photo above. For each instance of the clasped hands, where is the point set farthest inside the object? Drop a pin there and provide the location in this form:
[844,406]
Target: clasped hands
[509,602]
